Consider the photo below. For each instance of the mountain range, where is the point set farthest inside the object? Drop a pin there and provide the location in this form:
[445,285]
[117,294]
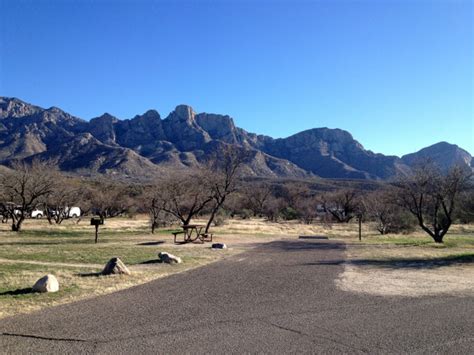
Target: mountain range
[147,145]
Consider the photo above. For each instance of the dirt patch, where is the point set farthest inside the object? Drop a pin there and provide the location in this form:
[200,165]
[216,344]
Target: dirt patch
[450,280]
[388,270]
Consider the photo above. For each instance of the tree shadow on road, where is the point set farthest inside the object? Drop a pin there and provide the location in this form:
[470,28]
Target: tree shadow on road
[402,263]
[314,237]
[300,245]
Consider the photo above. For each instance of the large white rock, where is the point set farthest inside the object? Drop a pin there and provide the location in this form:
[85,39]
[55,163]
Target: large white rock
[48,283]
[169,258]
[115,266]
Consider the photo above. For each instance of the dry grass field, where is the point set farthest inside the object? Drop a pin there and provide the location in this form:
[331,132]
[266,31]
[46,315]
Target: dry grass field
[385,265]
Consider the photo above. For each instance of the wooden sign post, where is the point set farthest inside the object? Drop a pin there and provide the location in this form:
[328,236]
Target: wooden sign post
[97,221]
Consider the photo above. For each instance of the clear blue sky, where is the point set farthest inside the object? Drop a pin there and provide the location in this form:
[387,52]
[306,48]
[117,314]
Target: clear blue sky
[397,74]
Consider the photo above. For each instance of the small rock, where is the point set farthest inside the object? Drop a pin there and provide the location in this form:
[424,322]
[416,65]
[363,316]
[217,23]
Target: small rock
[169,258]
[219,246]
[48,283]
[115,266]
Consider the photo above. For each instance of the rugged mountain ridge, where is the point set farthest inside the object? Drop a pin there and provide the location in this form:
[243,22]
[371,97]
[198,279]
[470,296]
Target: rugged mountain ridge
[147,145]
[443,154]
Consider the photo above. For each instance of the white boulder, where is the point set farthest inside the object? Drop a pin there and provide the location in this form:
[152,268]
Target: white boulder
[169,258]
[48,283]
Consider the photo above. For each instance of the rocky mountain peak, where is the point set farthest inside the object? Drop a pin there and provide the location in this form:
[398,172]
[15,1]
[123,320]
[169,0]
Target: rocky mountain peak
[152,114]
[183,112]
[13,107]
[54,109]
[218,127]
[105,118]
[443,154]
[102,128]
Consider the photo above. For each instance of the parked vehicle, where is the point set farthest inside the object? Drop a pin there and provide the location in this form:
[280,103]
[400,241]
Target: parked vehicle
[69,212]
[36,213]
[73,212]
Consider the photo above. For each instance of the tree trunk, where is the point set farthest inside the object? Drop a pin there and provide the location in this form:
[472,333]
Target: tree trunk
[16,226]
[360,228]
[211,218]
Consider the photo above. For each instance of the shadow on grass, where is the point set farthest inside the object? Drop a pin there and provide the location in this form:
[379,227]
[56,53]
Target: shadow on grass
[152,243]
[154,261]
[20,291]
[89,274]
[403,263]
[30,243]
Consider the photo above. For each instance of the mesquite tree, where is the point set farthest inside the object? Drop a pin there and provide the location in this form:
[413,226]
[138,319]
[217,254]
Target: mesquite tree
[58,202]
[257,196]
[153,204]
[341,204]
[23,188]
[184,195]
[431,196]
[223,177]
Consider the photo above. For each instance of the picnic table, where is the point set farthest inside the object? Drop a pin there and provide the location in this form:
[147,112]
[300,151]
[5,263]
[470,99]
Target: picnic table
[193,232]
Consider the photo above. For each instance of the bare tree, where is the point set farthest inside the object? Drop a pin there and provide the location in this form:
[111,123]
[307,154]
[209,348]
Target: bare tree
[341,204]
[3,210]
[184,195]
[223,172]
[110,199]
[257,196]
[387,215]
[154,206]
[307,208]
[431,196]
[85,197]
[24,187]
[58,202]
[294,193]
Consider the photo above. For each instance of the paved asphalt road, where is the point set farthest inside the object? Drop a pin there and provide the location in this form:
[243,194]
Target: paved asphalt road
[277,298]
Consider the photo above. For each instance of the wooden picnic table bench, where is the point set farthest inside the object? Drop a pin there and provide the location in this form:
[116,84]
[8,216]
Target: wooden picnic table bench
[193,232]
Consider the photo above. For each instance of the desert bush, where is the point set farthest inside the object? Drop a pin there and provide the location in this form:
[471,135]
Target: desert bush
[246,213]
[289,214]
[465,212]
